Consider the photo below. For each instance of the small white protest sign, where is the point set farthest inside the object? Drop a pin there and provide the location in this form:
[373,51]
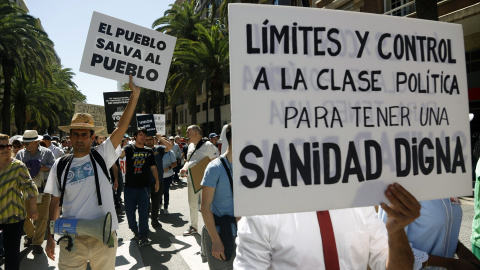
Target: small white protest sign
[159,122]
[116,48]
[341,104]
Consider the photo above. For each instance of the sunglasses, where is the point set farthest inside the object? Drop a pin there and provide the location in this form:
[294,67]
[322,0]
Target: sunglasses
[15,147]
[3,146]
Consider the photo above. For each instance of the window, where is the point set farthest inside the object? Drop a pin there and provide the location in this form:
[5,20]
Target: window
[392,7]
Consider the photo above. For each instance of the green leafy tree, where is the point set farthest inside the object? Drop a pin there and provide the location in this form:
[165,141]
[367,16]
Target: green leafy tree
[41,106]
[209,57]
[25,51]
[180,21]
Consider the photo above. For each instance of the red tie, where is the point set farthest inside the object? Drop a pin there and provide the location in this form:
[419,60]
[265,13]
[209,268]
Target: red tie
[330,254]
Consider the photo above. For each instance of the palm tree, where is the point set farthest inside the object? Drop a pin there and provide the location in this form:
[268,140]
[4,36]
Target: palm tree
[25,50]
[209,57]
[180,21]
[41,106]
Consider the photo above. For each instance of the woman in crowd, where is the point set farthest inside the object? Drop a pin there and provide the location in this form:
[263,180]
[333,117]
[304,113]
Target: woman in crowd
[15,185]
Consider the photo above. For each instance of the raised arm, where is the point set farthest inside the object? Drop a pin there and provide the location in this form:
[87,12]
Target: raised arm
[117,134]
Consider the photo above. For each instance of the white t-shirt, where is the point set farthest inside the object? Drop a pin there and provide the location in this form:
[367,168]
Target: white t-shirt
[80,199]
[293,241]
[206,150]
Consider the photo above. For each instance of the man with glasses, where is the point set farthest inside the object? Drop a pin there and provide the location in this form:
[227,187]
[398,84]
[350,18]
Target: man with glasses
[39,160]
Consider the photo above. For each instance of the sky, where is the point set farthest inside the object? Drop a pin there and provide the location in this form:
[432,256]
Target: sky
[67,23]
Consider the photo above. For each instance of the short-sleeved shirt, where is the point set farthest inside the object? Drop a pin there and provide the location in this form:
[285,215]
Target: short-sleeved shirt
[43,154]
[168,160]
[158,153]
[216,177]
[139,160]
[206,150]
[15,186]
[80,198]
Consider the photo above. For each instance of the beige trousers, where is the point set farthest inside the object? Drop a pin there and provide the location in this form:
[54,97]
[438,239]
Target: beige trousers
[89,249]
[38,230]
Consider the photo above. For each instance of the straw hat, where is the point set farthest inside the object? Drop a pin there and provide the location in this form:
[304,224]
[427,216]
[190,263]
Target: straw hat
[30,136]
[82,121]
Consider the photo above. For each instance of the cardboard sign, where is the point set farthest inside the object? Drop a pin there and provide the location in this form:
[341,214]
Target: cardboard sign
[196,173]
[159,122]
[115,48]
[98,114]
[148,122]
[341,104]
[115,104]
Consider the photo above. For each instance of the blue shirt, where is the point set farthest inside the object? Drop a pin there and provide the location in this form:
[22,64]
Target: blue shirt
[168,160]
[436,230]
[216,177]
[158,153]
[43,154]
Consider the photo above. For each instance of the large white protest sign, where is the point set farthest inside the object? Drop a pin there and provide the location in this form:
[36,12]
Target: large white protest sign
[97,112]
[116,48]
[329,107]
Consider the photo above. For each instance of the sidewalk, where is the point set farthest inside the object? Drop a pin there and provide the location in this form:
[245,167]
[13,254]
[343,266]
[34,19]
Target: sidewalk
[169,249]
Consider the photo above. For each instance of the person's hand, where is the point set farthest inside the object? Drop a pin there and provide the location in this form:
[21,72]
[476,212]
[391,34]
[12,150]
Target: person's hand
[218,251]
[157,186]
[50,248]
[403,209]
[33,214]
[115,184]
[135,89]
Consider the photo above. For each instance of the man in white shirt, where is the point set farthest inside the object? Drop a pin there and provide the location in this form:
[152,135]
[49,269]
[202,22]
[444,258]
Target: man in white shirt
[198,149]
[81,199]
[294,241]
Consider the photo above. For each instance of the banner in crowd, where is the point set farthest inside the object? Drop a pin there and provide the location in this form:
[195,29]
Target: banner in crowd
[147,122]
[115,104]
[329,107]
[159,122]
[115,48]
[98,114]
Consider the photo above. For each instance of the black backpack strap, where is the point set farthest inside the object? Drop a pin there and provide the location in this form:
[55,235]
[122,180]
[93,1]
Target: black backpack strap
[98,158]
[199,144]
[64,161]
[227,169]
[97,181]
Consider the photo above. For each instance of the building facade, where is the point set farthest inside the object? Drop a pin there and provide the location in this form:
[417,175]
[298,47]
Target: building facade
[464,12]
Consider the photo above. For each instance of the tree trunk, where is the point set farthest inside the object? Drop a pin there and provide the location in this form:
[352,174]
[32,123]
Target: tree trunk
[20,115]
[8,71]
[216,87]
[192,104]
[174,117]
[427,9]
[162,103]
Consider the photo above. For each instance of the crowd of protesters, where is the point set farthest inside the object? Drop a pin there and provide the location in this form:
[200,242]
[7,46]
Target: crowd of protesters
[82,176]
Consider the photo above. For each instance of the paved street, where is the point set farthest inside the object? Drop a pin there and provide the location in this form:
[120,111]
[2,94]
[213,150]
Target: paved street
[170,249]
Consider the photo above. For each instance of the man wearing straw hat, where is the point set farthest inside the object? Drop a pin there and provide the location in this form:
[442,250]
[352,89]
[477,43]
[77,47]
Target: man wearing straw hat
[80,198]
